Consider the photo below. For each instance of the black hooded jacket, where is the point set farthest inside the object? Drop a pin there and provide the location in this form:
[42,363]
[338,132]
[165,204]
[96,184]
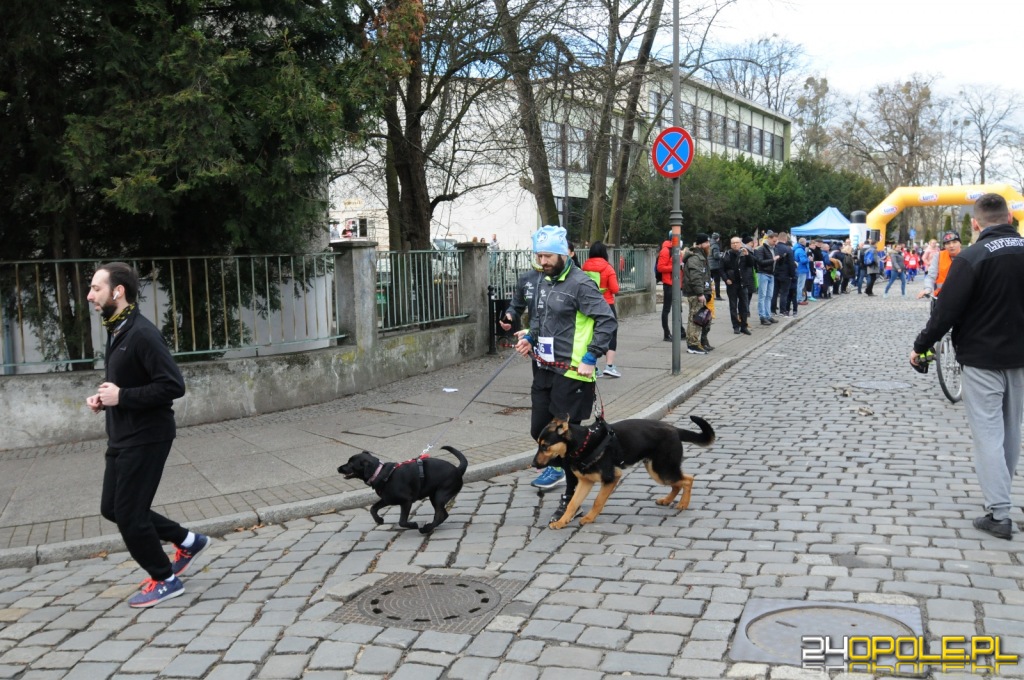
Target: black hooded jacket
[983,302]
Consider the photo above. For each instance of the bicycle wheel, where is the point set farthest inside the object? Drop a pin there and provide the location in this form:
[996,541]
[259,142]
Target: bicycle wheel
[948,369]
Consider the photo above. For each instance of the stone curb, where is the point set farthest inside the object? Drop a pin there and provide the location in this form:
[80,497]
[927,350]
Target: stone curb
[30,556]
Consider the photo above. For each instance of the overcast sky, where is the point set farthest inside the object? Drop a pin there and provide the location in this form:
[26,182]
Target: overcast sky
[860,44]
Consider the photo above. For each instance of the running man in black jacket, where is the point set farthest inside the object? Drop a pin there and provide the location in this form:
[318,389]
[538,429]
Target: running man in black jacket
[983,302]
[141,383]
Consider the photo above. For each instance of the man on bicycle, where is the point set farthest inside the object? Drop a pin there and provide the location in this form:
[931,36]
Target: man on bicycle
[938,267]
[984,305]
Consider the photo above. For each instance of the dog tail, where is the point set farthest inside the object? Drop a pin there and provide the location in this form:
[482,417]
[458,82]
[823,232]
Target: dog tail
[463,463]
[703,438]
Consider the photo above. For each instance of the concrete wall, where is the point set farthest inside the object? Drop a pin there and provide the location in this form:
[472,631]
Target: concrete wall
[49,409]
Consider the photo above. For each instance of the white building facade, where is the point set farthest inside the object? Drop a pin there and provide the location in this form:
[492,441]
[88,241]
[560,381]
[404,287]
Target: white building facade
[500,203]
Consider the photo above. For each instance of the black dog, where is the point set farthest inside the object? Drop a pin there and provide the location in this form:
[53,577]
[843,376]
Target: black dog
[402,483]
[601,452]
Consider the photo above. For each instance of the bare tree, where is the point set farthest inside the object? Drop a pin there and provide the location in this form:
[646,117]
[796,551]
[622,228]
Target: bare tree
[625,20]
[767,71]
[814,113]
[891,135]
[949,164]
[525,34]
[620,84]
[987,114]
[437,61]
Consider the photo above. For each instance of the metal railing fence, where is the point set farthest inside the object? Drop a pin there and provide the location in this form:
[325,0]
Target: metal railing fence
[210,307]
[419,287]
[206,307]
[631,266]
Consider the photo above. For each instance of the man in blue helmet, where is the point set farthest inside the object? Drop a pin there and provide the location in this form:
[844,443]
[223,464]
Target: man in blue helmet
[570,328]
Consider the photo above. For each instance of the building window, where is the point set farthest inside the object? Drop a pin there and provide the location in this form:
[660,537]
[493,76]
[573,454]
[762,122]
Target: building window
[553,143]
[757,142]
[717,128]
[745,137]
[576,148]
[769,144]
[707,124]
[734,133]
[779,148]
[571,216]
[660,110]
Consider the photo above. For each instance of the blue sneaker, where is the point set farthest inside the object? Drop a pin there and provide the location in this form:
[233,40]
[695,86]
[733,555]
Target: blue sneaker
[154,592]
[549,478]
[184,556]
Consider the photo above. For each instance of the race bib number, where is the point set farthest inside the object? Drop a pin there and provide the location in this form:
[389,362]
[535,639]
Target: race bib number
[545,349]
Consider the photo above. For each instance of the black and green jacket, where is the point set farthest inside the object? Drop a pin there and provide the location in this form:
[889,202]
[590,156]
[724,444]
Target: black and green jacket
[571,310]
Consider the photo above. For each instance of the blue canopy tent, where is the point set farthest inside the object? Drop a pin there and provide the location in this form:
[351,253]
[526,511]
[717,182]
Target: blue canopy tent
[829,222]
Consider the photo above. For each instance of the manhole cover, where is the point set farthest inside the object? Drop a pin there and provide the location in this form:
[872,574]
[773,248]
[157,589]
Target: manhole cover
[446,604]
[883,385]
[771,631]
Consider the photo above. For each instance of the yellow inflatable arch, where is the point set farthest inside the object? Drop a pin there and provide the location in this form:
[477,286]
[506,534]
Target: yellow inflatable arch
[908,197]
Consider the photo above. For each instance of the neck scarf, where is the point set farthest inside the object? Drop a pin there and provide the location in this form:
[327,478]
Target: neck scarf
[116,319]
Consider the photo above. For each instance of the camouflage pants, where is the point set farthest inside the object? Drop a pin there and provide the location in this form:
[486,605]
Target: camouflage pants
[693,331]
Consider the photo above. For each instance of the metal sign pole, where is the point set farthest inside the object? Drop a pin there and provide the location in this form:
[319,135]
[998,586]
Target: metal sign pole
[675,218]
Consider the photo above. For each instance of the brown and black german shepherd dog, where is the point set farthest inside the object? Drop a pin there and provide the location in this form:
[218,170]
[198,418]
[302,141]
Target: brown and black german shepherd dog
[601,452]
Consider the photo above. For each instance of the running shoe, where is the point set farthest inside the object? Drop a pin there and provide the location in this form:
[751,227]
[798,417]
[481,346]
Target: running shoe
[154,592]
[549,478]
[184,556]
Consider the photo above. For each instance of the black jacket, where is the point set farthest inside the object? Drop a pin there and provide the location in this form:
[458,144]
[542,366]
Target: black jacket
[983,302]
[738,268]
[764,259]
[784,267]
[139,362]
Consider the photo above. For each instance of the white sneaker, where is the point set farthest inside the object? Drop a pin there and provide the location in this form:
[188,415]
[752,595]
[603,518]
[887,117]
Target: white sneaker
[611,372]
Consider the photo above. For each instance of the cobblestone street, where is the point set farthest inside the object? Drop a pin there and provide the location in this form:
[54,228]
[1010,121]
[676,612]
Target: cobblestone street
[839,477]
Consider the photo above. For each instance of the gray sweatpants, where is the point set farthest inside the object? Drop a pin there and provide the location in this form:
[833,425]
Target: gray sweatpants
[994,400]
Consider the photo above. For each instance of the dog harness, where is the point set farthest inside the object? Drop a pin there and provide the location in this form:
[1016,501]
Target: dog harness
[391,467]
[587,454]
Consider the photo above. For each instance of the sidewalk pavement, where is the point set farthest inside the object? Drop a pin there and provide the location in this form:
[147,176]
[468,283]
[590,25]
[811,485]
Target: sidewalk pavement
[279,466]
[837,500]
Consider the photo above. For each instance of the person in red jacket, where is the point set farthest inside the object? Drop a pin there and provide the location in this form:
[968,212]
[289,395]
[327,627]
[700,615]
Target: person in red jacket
[665,277]
[603,273]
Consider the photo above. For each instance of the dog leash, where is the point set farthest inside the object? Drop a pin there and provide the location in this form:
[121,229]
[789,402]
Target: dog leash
[483,387]
[598,399]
